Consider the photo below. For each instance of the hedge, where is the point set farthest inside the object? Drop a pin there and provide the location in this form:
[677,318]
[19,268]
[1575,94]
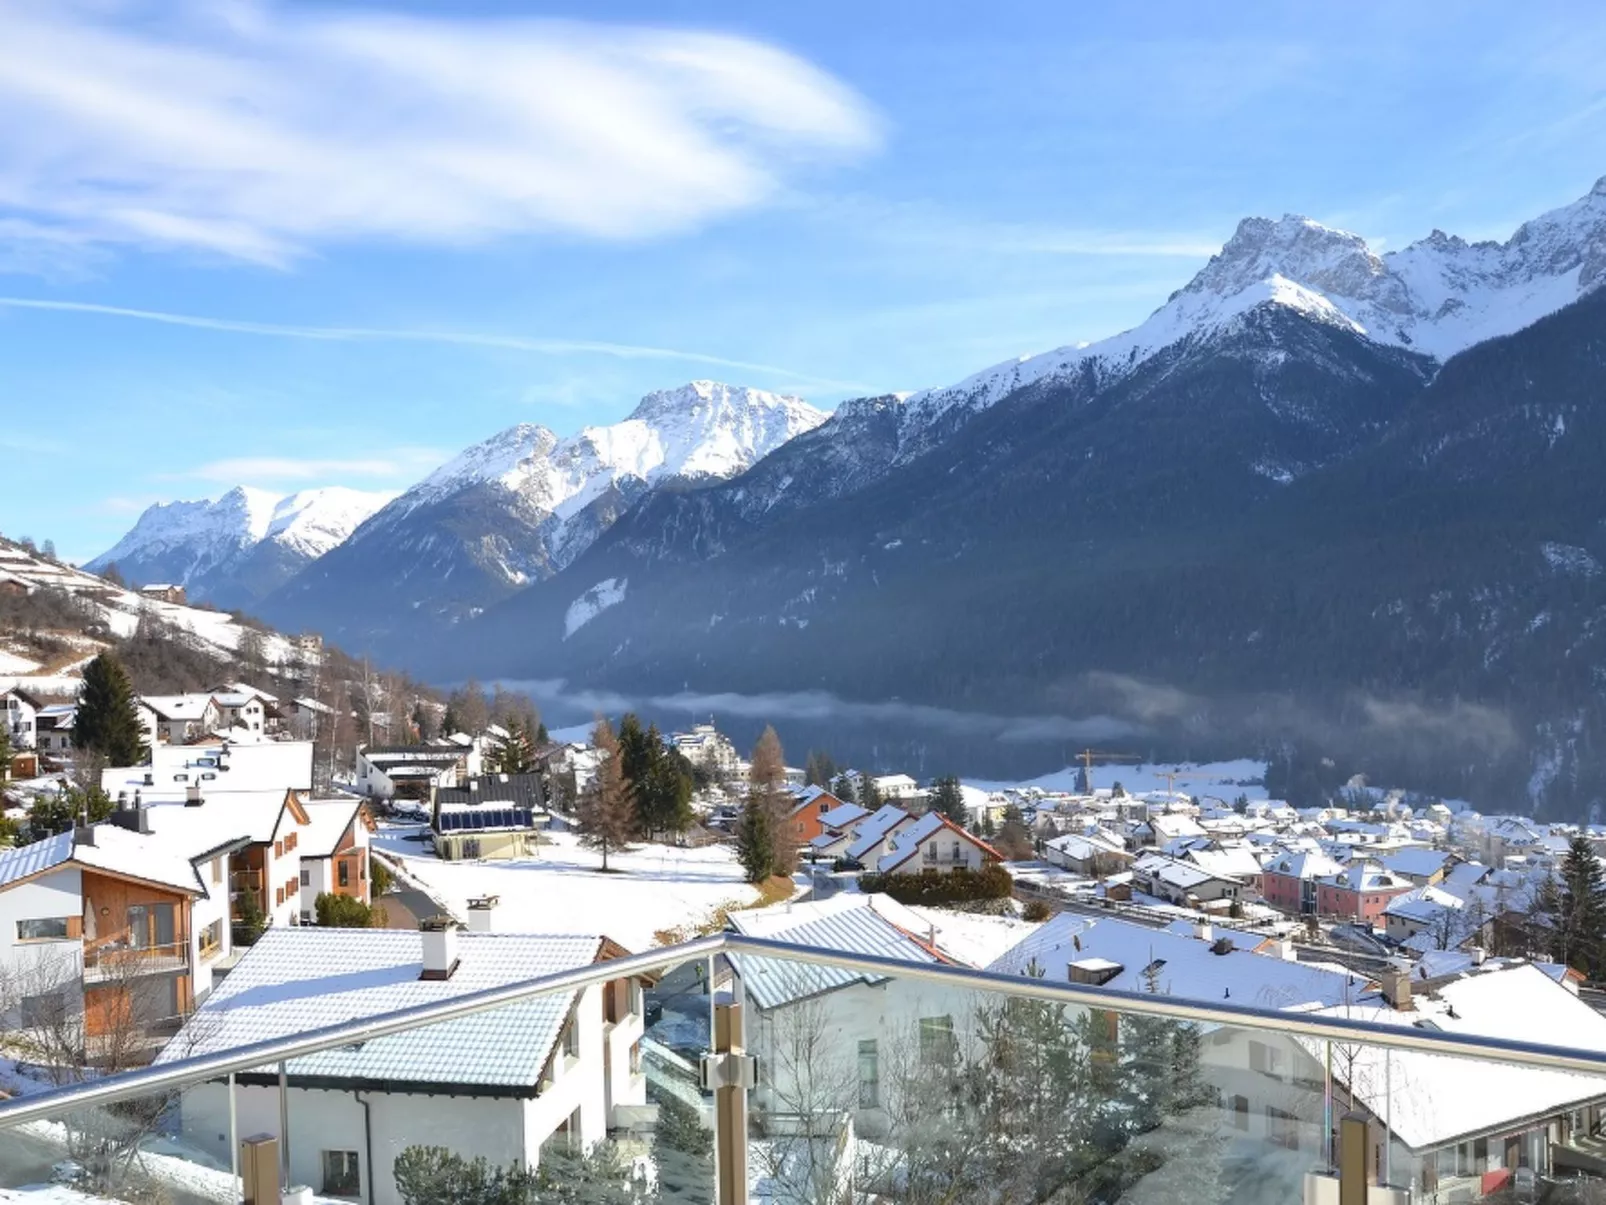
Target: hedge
[959,885]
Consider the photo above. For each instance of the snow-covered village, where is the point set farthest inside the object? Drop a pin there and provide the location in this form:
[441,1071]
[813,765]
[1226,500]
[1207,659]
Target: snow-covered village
[202,870]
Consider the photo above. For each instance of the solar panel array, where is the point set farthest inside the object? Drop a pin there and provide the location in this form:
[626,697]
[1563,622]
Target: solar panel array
[485,817]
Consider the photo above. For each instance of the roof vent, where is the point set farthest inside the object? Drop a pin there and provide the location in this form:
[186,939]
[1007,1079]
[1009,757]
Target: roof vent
[439,935]
[482,914]
[192,795]
[1222,945]
[1093,971]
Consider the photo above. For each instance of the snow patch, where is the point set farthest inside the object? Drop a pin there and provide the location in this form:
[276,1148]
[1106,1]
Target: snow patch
[1569,558]
[609,592]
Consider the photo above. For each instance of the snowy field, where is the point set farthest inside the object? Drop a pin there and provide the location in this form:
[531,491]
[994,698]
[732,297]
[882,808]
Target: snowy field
[565,891]
[1225,779]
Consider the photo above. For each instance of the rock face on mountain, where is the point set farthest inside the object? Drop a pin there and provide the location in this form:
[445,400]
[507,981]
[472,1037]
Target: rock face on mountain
[523,504]
[1321,496]
[240,547]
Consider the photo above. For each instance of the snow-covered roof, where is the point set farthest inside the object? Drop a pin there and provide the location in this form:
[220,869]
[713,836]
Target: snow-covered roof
[856,924]
[1228,862]
[1182,965]
[1367,877]
[1179,874]
[327,822]
[875,827]
[177,707]
[906,841]
[1432,1099]
[1303,864]
[115,850]
[1423,905]
[843,815]
[296,979]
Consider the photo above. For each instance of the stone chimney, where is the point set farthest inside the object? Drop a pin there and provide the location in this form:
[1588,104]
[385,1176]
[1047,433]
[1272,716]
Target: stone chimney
[439,935]
[1396,985]
[482,914]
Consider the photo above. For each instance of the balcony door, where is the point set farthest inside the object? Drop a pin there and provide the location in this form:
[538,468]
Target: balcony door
[151,925]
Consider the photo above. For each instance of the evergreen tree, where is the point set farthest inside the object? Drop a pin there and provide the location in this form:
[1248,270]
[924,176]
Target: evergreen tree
[607,818]
[755,840]
[1014,841]
[637,752]
[844,790]
[541,737]
[58,813]
[869,793]
[1579,926]
[683,1151]
[114,576]
[1083,786]
[106,722]
[819,770]
[450,724]
[949,799]
[423,726]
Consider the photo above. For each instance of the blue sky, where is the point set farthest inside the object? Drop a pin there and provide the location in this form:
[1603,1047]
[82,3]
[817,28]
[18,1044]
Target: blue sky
[399,229]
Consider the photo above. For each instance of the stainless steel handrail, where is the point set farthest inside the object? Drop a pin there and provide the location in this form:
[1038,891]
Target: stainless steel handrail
[165,1076]
[261,1054]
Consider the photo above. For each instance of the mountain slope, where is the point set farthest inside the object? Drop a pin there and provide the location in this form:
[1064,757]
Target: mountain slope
[241,546]
[522,505]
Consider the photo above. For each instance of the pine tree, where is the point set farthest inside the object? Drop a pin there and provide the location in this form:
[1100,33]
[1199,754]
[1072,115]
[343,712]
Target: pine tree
[449,721]
[949,799]
[421,721]
[106,722]
[869,793]
[755,840]
[607,817]
[1580,916]
[636,755]
[843,789]
[819,769]
[683,1151]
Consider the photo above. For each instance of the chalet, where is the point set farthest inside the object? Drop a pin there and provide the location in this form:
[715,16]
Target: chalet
[490,816]
[872,836]
[805,819]
[383,771]
[19,712]
[935,843]
[1231,860]
[502,1085]
[246,709]
[1183,883]
[53,729]
[836,832]
[164,592]
[1094,853]
[177,719]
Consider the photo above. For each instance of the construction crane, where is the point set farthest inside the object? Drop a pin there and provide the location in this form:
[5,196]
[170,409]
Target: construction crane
[1087,756]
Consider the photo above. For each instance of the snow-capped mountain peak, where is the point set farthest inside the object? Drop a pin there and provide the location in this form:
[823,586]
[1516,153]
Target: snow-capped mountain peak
[205,544]
[1438,296]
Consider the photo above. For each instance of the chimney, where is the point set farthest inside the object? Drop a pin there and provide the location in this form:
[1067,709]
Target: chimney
[192,795]
[150,779]
[439,935]
[1286,951]
[1396,985]
[1478,955]
[1204,932]
[83,834]
[482,914]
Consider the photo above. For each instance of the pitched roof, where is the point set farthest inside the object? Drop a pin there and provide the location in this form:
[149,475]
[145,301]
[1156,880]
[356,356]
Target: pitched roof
[1303,864]
[521,790]
[857,924]
[906,841]
[1183,965]
[843,815]
[295,979]
[1416,860]
[327,822]
[116,851]
[875,827]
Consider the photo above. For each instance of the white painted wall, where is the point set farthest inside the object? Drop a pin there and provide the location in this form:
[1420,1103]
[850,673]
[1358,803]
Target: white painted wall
[319,878]
[214,906]
[937,852]
[27,965]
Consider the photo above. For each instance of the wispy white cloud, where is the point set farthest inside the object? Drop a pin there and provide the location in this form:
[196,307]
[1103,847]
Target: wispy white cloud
[260,133]
[555,347]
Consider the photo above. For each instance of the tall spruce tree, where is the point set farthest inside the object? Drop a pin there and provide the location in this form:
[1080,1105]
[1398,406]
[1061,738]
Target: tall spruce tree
[1580,911]
[607,818]
[819,770]
[106,722]
[949,799]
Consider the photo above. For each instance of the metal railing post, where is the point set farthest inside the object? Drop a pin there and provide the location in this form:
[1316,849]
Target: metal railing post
[730,1113]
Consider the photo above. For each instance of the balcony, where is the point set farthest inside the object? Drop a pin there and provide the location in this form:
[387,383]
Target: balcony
[889,1082]
[116,963]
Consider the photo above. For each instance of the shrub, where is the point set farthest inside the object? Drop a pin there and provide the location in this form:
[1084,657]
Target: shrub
[380,877]
[932,887]
[347,912]
[1036,910]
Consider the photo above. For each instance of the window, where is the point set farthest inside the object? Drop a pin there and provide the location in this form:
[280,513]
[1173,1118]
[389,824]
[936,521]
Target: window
[341,1177]
[471,847]
[278,849]
[306,877]
[306,918]
[1282,1128]
[635,1057]
[345,874]
[289,843]
[278,896]
[937,1040]
[1240,1112]
[869,1075]
[44,928]
[1263,1058]
[571,1040]
[957,854]
[212,938]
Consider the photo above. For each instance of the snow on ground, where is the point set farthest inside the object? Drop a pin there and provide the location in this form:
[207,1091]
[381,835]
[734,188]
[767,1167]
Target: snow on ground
[609,592]
[1224,779]
[564,890]
[974,938]
[10,663]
